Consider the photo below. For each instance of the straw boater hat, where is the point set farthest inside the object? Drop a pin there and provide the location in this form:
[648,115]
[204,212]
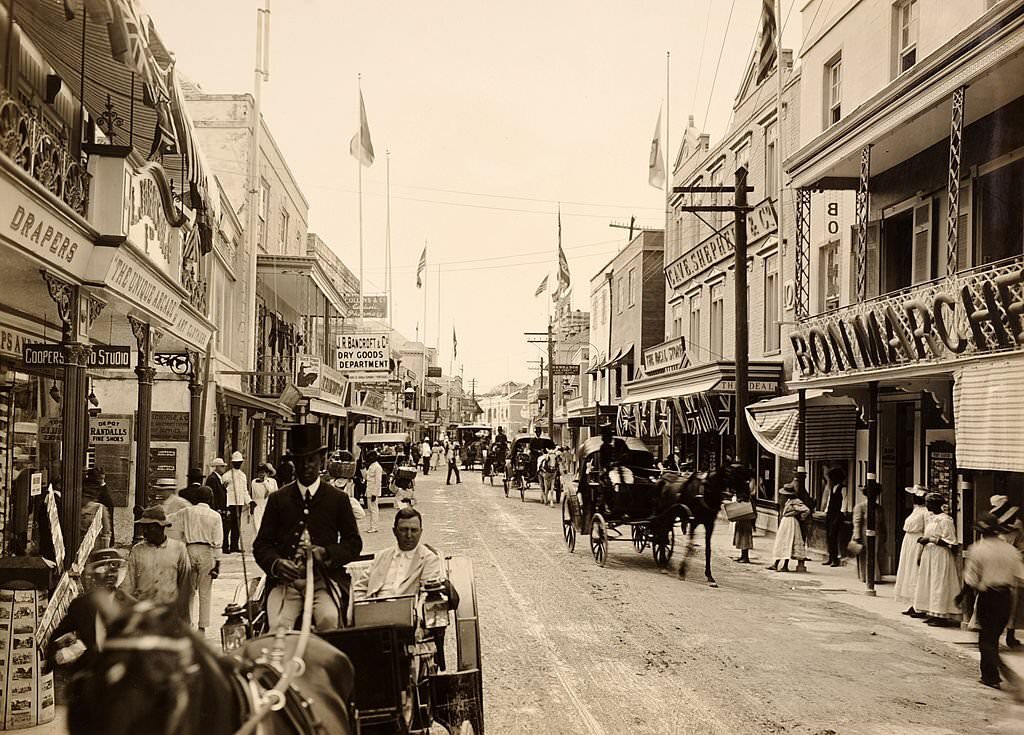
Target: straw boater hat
[918,490]
[787,490]
[219,462]
[154,514]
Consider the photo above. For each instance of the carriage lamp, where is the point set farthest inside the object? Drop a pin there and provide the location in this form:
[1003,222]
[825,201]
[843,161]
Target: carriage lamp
[232,633]
[435,605]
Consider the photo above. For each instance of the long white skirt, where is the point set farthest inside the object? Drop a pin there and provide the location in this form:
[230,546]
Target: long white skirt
[938,582]
[789,541]
[906,574]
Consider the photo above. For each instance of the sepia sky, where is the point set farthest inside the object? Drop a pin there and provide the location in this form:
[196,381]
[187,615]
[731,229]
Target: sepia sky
[493,112]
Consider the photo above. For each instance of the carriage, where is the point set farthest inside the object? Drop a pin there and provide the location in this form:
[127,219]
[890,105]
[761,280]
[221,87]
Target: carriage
[620,503]
[521,463]
[494,462]
[474,439]
[394,452]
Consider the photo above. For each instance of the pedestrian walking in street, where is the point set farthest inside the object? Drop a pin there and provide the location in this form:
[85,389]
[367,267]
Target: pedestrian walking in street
[938,579]
[453,463]
[374,478]
[159,570]
[340,473]
[860,527]
[260,490]
[913,529]
[215,481]
[789,540]
[743,530]
[203,535]
[1010,519]
[438,453]
[993,568]
[92,491]
[547,469]
[834,507]
[240,504]
[425,452]
[307,505]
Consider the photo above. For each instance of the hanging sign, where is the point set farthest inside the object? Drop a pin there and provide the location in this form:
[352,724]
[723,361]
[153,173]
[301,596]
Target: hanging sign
[111,357]
[433,372]
[565,370]
[364,351]
[308,370]
[666,356]
[375,306]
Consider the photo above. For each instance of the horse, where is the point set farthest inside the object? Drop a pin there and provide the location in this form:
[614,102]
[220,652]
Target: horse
[703,500]
[155,676]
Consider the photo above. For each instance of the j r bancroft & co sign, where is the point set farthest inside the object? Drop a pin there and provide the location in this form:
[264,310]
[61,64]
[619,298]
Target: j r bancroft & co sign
[970,314]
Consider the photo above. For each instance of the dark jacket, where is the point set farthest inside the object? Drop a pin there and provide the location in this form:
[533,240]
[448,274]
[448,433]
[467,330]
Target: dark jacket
[330,521]
[834,507]
[220,493]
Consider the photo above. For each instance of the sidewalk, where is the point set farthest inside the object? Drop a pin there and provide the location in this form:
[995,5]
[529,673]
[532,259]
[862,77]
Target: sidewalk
[841,584]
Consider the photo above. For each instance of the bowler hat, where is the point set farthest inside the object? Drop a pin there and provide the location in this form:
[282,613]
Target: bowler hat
[154,514]
[304,439]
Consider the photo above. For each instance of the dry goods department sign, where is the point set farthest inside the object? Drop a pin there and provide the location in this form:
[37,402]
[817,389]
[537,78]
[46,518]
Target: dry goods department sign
[943,321]
[364,352]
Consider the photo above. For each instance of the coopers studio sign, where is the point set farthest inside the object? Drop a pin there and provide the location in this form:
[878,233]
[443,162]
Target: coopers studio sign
[968,315]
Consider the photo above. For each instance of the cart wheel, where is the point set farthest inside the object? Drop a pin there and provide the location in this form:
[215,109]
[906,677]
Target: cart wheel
[599,539]
[568,525]
[640,538]
[523,484]
[663,548]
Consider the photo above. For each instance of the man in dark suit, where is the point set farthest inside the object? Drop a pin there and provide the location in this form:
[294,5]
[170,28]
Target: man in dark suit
[834,514]
[307,504]
[220,496]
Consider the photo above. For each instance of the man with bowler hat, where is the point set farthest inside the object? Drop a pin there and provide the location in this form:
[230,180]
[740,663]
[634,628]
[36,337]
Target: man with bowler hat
[307,504]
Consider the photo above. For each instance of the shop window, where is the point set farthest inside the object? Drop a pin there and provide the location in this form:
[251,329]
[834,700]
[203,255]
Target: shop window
[717,321]
[771,303]
[1000,211]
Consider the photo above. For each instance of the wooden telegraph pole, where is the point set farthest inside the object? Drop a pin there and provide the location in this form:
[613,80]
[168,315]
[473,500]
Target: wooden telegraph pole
[739,208]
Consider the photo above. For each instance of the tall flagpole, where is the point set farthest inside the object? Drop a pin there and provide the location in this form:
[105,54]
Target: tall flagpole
[387,232]
[423,373]
[667,146]
[359,85]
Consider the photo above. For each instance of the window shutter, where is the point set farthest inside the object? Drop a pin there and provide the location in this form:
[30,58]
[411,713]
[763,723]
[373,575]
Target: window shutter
[964,231]
[871,239]
[921,269]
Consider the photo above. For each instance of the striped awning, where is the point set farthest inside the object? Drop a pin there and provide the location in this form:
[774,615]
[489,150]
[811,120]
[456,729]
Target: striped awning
[831,425]
[988,403]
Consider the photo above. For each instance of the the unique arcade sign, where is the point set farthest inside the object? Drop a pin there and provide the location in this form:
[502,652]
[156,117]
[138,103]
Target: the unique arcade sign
[969,314]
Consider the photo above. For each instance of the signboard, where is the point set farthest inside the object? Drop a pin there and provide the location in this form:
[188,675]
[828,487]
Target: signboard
[962,316]
[333,385]
[569,370]
[753,386]
[307,374]
[666,356]
[109,430]
[51,430]
[192,330]
[40,232]
[111,438]
[365,378]
[375,307]
[169,426]
[761,221]
[135,280]
[111,357]
[363,398]
[36,484]
[942,468]
[364,352]
[433,372]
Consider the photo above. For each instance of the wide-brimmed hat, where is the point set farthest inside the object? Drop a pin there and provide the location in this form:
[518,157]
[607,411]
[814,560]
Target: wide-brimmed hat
[787,490]
[219,462]
[268,468]
[917,489]
[1004,512]
[989,523]
[165,482]
[154,514]
[304,440]
[236,456]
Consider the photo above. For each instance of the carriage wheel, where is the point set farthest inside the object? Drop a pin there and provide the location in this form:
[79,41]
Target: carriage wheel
[640,538]
[663,548]
[568,525]
[599,539]
[523,484]
[504,484]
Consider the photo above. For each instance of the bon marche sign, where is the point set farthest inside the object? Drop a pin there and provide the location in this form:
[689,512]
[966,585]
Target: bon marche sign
[667,355]
[967,315]
[761,221]
[368,351]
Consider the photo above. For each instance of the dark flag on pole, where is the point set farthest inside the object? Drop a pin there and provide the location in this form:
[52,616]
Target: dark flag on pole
[455,344]
[420,268]
[766,54]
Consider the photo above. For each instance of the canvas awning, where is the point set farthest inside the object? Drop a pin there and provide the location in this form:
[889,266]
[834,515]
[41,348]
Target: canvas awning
[678,390]
[326,408]
[988,403]
[256,403]
[831,423]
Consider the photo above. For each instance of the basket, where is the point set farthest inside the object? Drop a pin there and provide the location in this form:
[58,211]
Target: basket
[737,511]
[405,473]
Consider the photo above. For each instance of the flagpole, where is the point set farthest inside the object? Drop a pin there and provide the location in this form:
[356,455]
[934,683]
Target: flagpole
[359,85]
[387,231]
[423,373]
[667,145]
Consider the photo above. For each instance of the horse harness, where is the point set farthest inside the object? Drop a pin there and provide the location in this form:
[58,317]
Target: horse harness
[254,681]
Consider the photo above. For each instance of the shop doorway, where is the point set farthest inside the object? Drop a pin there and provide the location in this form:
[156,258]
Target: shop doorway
[897,455]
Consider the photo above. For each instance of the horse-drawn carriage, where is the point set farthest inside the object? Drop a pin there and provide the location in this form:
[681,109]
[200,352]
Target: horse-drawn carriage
[618,493]
[521,463]
[494,462]
[474,440]
[394,452]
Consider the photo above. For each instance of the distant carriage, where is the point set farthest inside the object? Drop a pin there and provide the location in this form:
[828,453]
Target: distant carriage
[521,463]
[394,452]
[620,502]
[474,440]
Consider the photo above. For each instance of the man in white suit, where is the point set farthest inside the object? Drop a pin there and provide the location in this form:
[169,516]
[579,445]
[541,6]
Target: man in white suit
[400,569]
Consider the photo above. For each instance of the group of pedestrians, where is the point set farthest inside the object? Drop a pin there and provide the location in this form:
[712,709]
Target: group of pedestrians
[442,450]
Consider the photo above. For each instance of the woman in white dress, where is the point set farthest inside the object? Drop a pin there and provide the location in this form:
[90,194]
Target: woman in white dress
[789,540]
[438,452]
[938,578]
[910,550]
[260,489]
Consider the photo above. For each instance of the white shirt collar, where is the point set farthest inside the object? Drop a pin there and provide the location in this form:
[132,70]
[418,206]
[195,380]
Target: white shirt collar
[399,552]
[311,489]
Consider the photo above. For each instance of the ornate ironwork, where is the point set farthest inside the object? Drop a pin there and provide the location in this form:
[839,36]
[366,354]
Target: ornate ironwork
[95,308]
[109,121]
[63,295]
[191,272]
[863,200]
[956,135]
[801,289]
[179,363]
[143,334]
[42,154]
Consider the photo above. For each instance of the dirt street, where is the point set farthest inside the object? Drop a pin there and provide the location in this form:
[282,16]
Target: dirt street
[570,648]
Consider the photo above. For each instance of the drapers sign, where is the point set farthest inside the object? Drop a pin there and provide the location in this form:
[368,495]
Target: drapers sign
[667,355]
[761,221]
[967,315]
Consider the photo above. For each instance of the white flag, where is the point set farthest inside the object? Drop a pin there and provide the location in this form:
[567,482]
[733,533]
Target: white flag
[656,164]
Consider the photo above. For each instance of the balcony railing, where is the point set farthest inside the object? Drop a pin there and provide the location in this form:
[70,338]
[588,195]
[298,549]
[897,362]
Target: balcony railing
[42,154]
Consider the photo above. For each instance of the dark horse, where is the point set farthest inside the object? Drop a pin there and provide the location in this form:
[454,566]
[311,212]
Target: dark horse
[703,500]
[155,676]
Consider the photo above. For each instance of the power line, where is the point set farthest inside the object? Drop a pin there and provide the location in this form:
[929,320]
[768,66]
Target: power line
[721,50]
[515,255]
[700,62]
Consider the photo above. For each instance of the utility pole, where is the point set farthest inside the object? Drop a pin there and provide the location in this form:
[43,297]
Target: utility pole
[551,381]
[631,226]
[739,208]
